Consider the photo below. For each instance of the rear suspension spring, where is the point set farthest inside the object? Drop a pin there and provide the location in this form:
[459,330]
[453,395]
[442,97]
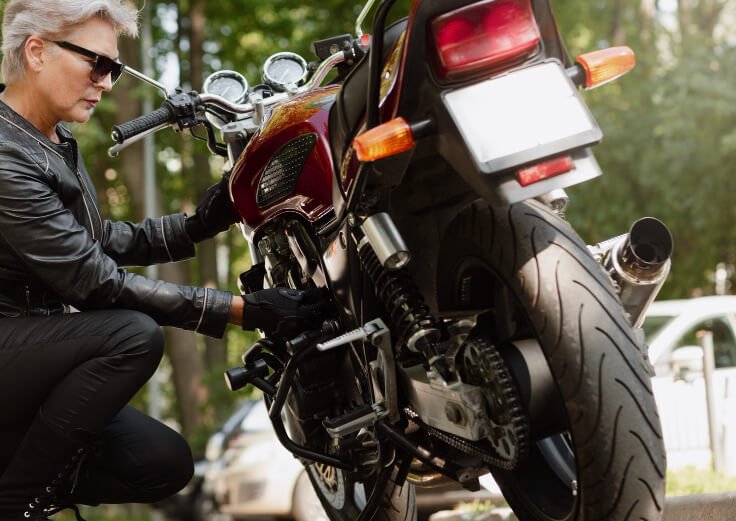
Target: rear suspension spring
[409,314]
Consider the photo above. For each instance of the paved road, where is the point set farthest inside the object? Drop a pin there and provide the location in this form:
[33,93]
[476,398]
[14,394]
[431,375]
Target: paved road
[703,507]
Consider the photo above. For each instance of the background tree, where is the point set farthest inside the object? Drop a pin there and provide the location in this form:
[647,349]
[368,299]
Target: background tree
[669,131]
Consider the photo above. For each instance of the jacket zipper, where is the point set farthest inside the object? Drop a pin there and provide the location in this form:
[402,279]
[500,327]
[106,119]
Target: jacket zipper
[28,300]
[85,194]
[79,178]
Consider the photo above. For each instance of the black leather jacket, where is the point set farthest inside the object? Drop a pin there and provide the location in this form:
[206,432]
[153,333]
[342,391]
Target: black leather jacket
[56,250]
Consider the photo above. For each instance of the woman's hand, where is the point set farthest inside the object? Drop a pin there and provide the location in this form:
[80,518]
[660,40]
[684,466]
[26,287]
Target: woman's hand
[215,213]
[283,312]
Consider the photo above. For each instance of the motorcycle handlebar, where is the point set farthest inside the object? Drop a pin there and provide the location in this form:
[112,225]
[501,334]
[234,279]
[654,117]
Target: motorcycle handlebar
[181,108]
[162,116]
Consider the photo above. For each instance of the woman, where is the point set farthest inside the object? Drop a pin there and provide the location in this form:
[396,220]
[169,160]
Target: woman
[66,433]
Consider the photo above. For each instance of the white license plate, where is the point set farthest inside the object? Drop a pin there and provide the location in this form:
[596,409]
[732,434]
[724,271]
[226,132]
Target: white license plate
[522,116]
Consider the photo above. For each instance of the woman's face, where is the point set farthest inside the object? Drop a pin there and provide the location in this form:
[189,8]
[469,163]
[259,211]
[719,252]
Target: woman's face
[65,78]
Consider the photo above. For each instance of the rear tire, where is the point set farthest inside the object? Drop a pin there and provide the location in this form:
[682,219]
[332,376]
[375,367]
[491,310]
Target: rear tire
[614,448]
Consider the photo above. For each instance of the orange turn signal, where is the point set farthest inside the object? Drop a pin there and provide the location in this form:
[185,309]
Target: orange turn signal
[606,65]
[388,139]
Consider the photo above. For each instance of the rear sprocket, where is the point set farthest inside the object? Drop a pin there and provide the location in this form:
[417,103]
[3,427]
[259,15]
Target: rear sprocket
[481,364]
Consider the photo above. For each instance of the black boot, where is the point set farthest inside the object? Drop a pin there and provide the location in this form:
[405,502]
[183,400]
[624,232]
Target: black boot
[44,465]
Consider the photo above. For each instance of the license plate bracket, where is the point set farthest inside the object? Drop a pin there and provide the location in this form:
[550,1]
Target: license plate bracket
[521,116]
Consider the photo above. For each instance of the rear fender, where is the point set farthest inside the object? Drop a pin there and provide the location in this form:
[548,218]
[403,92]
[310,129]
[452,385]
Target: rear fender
[420,99]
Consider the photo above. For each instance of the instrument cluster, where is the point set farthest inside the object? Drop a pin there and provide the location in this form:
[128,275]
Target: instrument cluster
[282,72]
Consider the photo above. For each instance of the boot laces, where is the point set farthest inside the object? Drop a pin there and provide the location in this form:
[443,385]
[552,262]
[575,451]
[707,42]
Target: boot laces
[46,505]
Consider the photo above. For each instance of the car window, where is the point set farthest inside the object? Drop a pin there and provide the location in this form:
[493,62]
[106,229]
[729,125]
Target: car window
[257,419]
[234,421]
[653,324]
[724,343]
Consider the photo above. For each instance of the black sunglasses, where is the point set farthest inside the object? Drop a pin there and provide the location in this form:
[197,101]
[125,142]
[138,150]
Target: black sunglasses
[102,65]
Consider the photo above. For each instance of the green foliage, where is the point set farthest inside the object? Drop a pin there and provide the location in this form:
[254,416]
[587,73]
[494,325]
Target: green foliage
[687,481]
[476,509]
[669,142]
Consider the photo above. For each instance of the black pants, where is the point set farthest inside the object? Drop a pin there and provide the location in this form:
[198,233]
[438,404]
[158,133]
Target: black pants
[78,371]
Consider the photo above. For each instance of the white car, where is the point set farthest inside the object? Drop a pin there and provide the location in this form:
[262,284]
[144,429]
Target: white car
[673,324]
[258,477]
[671,328]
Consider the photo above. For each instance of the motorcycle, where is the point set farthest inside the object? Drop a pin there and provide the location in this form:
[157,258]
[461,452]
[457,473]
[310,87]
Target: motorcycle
[474,331]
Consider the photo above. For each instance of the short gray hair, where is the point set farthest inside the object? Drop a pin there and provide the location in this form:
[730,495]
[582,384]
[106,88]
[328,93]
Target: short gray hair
[51,19]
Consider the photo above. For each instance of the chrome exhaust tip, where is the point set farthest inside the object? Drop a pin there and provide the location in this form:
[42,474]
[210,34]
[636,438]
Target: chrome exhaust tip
[647,248]
[638,263]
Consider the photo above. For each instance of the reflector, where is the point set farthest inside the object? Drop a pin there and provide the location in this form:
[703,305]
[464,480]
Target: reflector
[536,173]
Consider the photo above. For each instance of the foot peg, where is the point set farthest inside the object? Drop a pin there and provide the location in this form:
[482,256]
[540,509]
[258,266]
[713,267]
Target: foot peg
[369,332]
[355,420]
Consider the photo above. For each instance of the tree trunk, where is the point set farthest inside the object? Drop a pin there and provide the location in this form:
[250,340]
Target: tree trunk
[617,33]
[215,349]
[128,107]
[181,347]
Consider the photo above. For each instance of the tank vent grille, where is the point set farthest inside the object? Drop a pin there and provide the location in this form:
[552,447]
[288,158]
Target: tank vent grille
[282,173]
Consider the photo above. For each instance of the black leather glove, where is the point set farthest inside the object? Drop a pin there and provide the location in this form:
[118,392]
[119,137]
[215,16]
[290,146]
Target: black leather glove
[285,312]
[215,213]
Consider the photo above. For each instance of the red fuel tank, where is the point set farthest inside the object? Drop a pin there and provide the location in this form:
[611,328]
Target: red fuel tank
[287,166]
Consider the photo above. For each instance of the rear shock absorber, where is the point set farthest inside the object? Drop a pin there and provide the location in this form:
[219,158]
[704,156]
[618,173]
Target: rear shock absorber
[410,317]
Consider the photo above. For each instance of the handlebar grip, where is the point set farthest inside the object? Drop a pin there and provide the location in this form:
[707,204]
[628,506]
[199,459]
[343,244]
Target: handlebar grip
[125,131]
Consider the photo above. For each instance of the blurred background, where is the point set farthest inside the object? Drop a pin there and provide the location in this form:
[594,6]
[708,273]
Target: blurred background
[669,149]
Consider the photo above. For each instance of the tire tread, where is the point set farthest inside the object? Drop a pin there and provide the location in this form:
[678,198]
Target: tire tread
[609,399]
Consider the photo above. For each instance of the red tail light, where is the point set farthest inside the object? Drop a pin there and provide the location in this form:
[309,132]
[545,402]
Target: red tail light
[484,35]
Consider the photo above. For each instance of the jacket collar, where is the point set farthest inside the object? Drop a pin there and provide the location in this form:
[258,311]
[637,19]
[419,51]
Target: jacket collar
[5,110]
[68,146]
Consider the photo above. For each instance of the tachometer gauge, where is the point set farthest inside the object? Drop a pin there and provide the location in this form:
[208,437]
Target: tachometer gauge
[230,85]
[284,69]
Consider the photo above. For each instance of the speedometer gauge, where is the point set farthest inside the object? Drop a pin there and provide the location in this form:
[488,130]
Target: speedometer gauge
[230,85]
[284,69]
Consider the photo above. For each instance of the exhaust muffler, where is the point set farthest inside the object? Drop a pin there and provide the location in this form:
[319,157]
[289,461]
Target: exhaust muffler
[638,263]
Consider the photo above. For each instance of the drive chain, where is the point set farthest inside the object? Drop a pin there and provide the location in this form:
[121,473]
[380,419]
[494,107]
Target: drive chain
[490,373]
[468,447]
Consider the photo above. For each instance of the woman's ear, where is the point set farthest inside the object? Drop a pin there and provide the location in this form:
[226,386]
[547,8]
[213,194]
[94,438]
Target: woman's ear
[34,53]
